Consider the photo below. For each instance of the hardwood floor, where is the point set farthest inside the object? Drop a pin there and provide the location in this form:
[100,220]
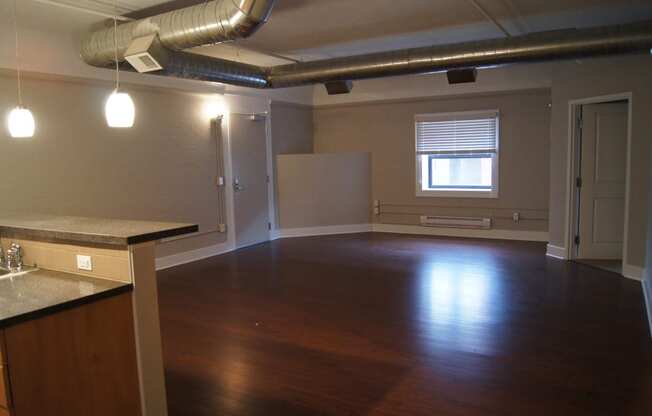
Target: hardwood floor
[380,324]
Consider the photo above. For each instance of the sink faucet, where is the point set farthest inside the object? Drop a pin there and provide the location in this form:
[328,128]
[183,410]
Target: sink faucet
[14,258]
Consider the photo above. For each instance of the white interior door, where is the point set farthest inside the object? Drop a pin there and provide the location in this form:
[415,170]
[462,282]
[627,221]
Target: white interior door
[249,163]
[603,180]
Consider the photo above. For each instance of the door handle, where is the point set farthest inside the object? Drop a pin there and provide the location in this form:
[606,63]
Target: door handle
[236,186]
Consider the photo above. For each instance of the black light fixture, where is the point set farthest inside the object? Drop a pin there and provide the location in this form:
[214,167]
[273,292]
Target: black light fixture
[462,76]
[338,87]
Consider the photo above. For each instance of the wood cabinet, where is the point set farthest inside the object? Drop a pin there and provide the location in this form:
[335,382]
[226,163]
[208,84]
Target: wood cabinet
[76,362]
[5,396]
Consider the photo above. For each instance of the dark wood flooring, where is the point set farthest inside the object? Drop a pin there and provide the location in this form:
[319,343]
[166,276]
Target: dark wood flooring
[379,324]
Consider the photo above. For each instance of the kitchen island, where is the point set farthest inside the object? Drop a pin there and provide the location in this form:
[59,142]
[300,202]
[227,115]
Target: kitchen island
[82,320]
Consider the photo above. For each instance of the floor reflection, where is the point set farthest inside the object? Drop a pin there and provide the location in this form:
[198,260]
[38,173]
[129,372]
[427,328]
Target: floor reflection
[455,306]
[379,324]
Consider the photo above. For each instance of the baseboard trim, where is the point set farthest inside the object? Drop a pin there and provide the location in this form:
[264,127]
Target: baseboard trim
[325,230]
[647,295]
[462,232]
[556,252]
[633,272]
[163,263]
[178,259]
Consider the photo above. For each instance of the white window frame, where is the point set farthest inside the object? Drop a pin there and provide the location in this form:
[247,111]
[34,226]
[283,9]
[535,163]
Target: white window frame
[458,193]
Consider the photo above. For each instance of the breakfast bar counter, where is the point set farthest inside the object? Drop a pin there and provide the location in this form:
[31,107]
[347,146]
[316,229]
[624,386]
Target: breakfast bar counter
[83,278]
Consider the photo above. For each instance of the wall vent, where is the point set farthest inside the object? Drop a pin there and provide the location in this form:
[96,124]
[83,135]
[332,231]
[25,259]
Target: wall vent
[456,222]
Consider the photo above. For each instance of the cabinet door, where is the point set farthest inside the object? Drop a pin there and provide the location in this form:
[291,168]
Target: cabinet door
[4,390]
[78,362]
[5,395]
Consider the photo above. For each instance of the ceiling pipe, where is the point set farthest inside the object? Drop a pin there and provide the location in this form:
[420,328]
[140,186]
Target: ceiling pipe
[535,47]
[203,24]
[176,32]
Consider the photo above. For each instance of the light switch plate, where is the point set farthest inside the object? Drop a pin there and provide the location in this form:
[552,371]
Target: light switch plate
[84,262]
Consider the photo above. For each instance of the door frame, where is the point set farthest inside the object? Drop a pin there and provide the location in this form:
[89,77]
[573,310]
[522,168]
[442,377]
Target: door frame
[574,165]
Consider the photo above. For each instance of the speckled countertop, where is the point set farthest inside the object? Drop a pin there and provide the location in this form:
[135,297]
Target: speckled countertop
[89,230]
[40,292]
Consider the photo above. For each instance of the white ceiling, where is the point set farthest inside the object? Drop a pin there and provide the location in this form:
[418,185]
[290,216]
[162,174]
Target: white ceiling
[35,15]
[112,6]
[314,29]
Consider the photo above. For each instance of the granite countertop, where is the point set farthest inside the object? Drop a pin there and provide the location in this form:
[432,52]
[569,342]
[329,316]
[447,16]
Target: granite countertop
[40,292]
[90,230]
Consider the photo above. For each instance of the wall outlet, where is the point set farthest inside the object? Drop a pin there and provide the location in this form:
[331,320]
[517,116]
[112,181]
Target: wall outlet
[84,262]
[516,217]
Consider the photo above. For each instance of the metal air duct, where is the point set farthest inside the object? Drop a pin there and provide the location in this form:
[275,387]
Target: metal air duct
[203,24]
[535,47]
[192,26]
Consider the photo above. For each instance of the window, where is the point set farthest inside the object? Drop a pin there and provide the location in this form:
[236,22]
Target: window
[457,154]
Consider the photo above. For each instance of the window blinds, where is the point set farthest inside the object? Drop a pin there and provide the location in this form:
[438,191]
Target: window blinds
[457,133]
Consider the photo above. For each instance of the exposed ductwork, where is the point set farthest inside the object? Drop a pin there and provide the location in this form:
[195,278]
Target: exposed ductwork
[203,24]
[193,26]
[535,47]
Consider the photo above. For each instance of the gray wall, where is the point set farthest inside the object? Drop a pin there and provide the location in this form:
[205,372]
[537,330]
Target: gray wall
[386,129]
[162,169]
[324,189]
[292,133]
[594,78]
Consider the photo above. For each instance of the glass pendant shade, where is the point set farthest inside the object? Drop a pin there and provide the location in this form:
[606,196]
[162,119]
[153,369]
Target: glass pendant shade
[21,123]
[120,110]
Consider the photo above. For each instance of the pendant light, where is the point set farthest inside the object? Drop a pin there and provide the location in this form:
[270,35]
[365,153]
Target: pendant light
[21,121]
[119,109]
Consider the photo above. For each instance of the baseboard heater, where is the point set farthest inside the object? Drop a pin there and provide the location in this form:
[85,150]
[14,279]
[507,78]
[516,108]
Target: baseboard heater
[456,222]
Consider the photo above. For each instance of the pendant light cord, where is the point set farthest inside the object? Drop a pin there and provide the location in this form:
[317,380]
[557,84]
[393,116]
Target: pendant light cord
[20,94]
[115,45]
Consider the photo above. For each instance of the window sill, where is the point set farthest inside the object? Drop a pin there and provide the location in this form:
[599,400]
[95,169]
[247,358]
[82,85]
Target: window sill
[458,194]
